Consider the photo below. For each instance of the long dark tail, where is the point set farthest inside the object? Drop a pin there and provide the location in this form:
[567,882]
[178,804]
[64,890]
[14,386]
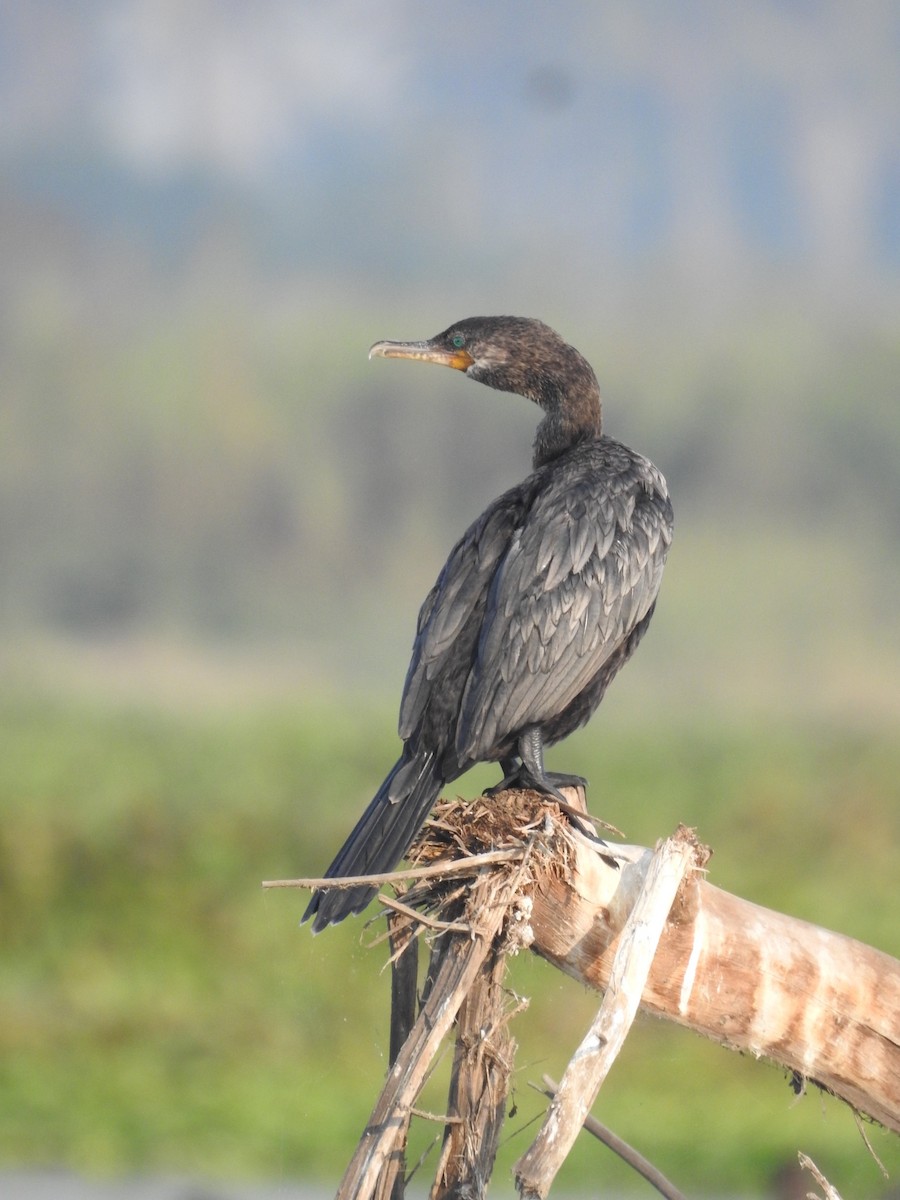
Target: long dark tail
[379,840]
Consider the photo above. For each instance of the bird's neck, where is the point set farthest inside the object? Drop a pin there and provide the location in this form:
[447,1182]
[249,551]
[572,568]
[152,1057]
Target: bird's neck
[569,419]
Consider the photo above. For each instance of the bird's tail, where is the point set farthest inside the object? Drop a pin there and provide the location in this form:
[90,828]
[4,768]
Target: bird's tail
[379,840]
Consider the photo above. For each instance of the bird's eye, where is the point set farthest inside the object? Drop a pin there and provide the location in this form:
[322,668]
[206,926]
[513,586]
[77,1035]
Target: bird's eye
[458,341]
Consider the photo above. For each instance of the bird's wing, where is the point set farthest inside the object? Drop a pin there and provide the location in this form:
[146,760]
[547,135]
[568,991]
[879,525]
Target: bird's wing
[579,574]
[451,615]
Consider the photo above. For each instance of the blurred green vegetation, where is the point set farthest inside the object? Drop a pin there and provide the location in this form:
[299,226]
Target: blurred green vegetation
[159,1012]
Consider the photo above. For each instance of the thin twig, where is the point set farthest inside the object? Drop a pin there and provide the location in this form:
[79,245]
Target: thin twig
[831,1192]
[627,1153]
[868,1144]
[421,1159]
[430,922]
[460,866]
[441,1118]
[416,919]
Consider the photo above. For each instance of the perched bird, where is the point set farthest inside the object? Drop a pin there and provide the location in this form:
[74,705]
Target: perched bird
[540,603]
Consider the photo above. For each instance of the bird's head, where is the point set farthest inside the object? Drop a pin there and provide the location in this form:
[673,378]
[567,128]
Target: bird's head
[512,354]
[521,355]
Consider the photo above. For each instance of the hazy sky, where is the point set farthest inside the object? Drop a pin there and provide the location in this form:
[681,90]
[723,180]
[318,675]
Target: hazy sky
[707,133]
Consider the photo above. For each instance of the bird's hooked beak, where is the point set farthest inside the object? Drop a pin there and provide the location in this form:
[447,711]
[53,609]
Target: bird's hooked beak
[460,360]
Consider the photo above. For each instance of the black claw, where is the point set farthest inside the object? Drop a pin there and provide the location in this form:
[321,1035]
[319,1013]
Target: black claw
[561,780]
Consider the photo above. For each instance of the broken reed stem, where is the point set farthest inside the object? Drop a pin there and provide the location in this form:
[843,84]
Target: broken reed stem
[537,1168]
[404,978]
[461,958]
[479,1084]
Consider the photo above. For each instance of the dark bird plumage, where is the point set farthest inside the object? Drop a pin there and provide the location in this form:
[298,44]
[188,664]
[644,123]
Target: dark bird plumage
[540,603]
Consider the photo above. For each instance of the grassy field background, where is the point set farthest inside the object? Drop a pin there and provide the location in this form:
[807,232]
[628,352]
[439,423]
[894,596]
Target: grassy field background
[159,1012]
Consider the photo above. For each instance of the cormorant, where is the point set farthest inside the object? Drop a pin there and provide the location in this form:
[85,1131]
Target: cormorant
[540,603]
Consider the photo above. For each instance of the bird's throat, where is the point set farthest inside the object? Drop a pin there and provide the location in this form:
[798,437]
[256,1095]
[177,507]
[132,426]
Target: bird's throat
[561,429]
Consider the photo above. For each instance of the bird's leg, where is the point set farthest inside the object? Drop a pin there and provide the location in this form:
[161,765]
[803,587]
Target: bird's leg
[531,747]
[511,765]
[528,771]
[512,776]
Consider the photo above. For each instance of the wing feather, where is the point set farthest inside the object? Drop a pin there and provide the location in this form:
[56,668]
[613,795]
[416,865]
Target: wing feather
[581,573]
[454,606]
[534,598]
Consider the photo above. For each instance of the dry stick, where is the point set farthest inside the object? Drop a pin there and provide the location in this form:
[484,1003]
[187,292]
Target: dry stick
[461,962]
[626,1152]
[404,978]
[831,1192]
[420,918]
[479,1084]
[822,1005]
[867,1142]
[443,869]
[537,1168]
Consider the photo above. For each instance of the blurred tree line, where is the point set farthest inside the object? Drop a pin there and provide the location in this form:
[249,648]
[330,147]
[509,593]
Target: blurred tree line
[222,476]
